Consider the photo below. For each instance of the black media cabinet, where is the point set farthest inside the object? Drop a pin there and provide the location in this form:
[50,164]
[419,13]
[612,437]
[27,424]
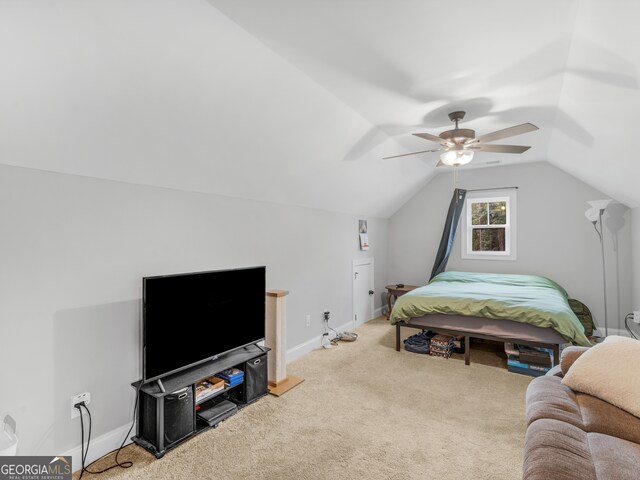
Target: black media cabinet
[167,418]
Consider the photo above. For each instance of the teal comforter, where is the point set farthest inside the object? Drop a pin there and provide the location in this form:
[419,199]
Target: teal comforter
[521,298]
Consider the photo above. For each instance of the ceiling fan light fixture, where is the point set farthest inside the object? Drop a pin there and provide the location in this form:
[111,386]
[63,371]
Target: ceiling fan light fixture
[456,157]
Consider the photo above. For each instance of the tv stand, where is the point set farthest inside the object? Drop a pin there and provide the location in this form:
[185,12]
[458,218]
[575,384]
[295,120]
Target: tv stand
[168,408]
[160,386]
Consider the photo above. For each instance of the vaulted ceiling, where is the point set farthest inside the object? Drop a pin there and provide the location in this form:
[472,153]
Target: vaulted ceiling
[297,101]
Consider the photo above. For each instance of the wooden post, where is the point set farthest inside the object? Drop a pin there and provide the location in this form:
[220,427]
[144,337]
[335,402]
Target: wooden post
[276,340]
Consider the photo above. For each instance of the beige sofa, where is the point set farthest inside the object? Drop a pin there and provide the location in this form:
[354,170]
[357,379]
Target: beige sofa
[572,435]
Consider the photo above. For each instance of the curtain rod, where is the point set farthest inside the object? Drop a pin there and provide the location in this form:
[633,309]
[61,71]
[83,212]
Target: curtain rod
[487,189]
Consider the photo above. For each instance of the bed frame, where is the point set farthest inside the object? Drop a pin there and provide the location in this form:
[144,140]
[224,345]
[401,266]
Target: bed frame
[505,331]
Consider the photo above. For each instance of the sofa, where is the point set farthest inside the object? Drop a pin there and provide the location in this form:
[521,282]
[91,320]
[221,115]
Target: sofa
[573,435]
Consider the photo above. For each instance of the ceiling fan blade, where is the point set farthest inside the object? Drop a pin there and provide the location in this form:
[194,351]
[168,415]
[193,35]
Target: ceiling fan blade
[484,147]
[506,132]
[433,138]
[413,153]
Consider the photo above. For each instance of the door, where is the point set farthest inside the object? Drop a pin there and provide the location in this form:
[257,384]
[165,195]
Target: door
[363,293]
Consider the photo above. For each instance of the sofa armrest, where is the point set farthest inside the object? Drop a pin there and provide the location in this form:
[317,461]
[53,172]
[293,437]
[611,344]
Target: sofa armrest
[555,372]
[570,355]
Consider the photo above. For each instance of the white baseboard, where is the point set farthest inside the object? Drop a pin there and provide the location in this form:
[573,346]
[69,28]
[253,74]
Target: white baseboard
[312,344]
[316,342]
[376,313]
[613,331]
[100,446]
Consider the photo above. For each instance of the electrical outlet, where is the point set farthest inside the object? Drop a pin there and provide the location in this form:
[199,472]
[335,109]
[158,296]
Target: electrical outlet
[308,320]
[80,397]
[636,316]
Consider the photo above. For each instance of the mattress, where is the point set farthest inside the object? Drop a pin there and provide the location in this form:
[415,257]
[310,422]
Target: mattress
[526,299]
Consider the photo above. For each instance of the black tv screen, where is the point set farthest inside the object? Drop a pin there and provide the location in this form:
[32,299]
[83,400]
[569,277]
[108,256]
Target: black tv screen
[190,318]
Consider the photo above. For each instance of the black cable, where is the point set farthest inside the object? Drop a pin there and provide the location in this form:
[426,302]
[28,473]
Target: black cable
[82,457]
[126,464]
[333,341]
[626,325]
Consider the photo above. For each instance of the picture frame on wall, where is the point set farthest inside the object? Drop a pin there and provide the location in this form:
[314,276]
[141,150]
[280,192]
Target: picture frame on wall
[364,235]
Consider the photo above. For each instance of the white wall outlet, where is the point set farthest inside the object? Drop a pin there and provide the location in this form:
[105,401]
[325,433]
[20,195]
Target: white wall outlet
[636,316]
[80,397]
[308,320]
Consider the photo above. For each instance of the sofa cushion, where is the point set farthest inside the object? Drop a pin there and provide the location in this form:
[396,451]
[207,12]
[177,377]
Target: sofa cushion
[548,398]
[608,371]
[570,355]
[614,458]
[599,416]
[559,451]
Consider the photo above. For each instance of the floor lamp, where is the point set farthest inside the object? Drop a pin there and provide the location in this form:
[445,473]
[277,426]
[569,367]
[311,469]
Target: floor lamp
[594,215]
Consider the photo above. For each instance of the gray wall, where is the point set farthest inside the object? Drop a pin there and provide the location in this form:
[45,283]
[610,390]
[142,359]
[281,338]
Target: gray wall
[635,225]
[554,237]
[73,251]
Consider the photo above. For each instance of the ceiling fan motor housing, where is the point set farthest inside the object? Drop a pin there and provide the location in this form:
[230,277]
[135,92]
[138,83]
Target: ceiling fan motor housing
[458,135]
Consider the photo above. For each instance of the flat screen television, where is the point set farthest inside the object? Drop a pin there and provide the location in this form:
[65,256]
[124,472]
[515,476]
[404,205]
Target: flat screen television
[193,317]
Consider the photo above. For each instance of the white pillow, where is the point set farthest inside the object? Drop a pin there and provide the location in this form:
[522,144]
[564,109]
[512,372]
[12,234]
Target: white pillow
[609,371]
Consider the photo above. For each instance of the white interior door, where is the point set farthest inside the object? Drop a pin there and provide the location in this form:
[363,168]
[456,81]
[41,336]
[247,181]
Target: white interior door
[363,293]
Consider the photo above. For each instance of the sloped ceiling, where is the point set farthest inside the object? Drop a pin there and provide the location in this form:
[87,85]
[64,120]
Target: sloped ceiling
[296,101]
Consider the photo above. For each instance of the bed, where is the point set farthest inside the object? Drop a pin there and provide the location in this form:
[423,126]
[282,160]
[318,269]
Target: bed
[524,309]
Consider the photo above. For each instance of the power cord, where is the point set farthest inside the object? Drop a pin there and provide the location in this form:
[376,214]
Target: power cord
[626,325]
[340,336]
[333,341]
[126,464]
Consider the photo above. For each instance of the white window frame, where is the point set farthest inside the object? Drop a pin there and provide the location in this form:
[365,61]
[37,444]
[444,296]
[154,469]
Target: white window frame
[510,228]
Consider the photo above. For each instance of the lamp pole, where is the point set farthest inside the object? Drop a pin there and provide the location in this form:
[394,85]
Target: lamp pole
[604,275]
[594,215]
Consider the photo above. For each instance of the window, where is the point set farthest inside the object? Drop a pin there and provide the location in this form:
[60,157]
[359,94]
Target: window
[489,226]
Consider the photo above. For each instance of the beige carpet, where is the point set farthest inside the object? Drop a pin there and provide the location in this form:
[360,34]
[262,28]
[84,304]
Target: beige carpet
[364,411]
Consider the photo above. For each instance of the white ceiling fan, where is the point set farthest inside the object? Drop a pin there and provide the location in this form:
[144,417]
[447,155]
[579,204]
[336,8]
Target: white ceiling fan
[459,145]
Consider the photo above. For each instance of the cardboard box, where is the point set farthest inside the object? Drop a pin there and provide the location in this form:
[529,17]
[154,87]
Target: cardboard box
[206,388]
[216,383]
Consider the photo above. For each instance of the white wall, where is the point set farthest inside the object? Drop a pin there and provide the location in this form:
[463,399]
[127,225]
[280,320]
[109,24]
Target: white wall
[74,250]
[554,237]
[172,93]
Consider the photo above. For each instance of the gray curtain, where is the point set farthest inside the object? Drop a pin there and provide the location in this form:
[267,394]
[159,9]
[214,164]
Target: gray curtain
[449,234]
